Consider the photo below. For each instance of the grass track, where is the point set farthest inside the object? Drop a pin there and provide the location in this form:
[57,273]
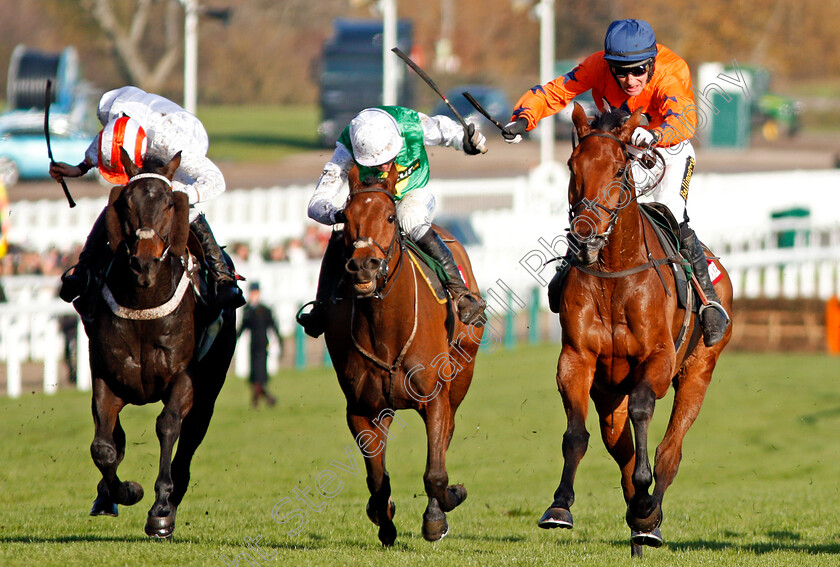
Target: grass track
[758,484]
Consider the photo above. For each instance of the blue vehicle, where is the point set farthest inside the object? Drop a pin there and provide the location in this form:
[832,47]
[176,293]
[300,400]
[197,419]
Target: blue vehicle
[23,146]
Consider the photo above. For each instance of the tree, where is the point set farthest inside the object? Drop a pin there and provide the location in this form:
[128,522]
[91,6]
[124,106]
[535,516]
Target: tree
[143,38]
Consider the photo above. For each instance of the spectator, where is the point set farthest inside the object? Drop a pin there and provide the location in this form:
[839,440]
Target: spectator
[258,319]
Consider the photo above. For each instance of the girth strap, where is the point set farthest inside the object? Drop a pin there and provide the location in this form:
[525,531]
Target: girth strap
[676,259]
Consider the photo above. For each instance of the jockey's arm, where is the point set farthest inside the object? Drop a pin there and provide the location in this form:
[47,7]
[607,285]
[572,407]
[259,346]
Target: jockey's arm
[199,178]
[331,192]
[441,131]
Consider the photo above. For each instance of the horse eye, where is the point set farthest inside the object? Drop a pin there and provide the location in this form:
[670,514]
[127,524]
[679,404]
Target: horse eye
[620,172]
[391,219]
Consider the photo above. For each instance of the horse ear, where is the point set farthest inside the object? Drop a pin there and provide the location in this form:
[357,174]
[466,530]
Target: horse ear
[180,224]
[579,120]
[171,167]
[630,125]
[353,179]
[112,220]
[128,164]
[392,179]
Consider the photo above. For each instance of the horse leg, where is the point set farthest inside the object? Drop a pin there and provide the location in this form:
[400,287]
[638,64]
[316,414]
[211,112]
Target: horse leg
[193,429]
[689,392]
[574,380]
[440,425]
[372,440]
[617,436]
[644,513]
[107,451]
[160,521]
[618,439]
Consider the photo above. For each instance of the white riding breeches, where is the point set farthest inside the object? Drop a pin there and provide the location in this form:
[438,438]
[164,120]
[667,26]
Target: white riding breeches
[672,189]
[415,212]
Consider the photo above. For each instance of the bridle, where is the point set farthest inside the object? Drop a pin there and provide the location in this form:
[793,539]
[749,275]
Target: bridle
[602,238]
[387,253]
[147,233]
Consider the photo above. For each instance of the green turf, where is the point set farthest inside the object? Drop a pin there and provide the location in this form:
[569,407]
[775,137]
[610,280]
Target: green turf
[259,133]
[758,484]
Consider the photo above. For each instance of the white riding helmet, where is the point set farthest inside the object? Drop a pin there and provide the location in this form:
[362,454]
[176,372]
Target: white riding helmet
[375,137]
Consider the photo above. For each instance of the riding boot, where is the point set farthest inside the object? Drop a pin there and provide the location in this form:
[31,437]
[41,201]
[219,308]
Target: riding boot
[713,316]
[226,292]
[76,283]
[315,321]
[556,283]
[470,308]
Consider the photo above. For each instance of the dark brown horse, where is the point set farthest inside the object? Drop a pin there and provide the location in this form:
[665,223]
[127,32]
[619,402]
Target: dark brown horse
[388,341]
[621,320]
[143,332]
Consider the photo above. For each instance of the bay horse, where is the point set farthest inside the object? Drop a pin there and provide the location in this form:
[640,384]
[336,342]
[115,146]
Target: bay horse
[620,322]
[389,344]
[143,335]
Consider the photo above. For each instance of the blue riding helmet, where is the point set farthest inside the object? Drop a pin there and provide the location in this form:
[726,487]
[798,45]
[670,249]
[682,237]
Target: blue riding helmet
[629,41]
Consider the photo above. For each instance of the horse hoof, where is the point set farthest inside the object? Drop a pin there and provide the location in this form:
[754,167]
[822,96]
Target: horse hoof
[131,493]
[645,525]
[371,513]
[387,534]
[435,530]
[650,539]
[556,518]
[103,506]
[160,527]
[458,494]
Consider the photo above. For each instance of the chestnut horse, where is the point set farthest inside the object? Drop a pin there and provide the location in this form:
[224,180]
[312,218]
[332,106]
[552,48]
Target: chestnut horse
[620,321]
[388,341]
[143,333]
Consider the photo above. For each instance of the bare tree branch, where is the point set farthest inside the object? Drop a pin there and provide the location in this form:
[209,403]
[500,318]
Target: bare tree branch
[128,42]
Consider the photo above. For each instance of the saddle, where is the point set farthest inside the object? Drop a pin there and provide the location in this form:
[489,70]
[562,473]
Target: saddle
[667,231]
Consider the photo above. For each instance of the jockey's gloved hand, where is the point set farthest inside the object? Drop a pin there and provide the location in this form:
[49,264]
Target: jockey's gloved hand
[474,141]
[643,138]
[512,132]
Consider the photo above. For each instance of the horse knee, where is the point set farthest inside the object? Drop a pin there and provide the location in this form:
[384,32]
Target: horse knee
[104,454]
[435,481]
[575,441]
[167,424]
[641,404]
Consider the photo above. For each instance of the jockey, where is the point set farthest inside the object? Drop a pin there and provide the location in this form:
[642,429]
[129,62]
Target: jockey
[376,140]
[633,71]
[143,123]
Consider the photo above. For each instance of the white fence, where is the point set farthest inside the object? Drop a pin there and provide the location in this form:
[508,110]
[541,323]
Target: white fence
[732,213]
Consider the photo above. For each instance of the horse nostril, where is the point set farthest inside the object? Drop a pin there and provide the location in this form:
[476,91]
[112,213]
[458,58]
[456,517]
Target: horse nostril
[372,264]
[352,266]
[134,264]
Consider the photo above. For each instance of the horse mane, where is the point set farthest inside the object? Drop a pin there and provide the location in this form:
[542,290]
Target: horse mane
[153,164]
[610,120]
[388,183]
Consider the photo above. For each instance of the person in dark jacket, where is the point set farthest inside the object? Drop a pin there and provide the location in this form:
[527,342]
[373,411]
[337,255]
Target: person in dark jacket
[258,319]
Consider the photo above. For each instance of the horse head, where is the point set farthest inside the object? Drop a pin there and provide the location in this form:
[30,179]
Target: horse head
[371,231]
[600,184]
[147,219]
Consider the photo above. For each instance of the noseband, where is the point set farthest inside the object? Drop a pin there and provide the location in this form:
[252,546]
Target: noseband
[368,242]
[593,204]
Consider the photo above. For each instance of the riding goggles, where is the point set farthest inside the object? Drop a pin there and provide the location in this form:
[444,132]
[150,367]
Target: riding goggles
[621,72]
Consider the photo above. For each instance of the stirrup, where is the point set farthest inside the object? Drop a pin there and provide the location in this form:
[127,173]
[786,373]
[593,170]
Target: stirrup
[717,306]
[473,312]
[74,285]
[313,322]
